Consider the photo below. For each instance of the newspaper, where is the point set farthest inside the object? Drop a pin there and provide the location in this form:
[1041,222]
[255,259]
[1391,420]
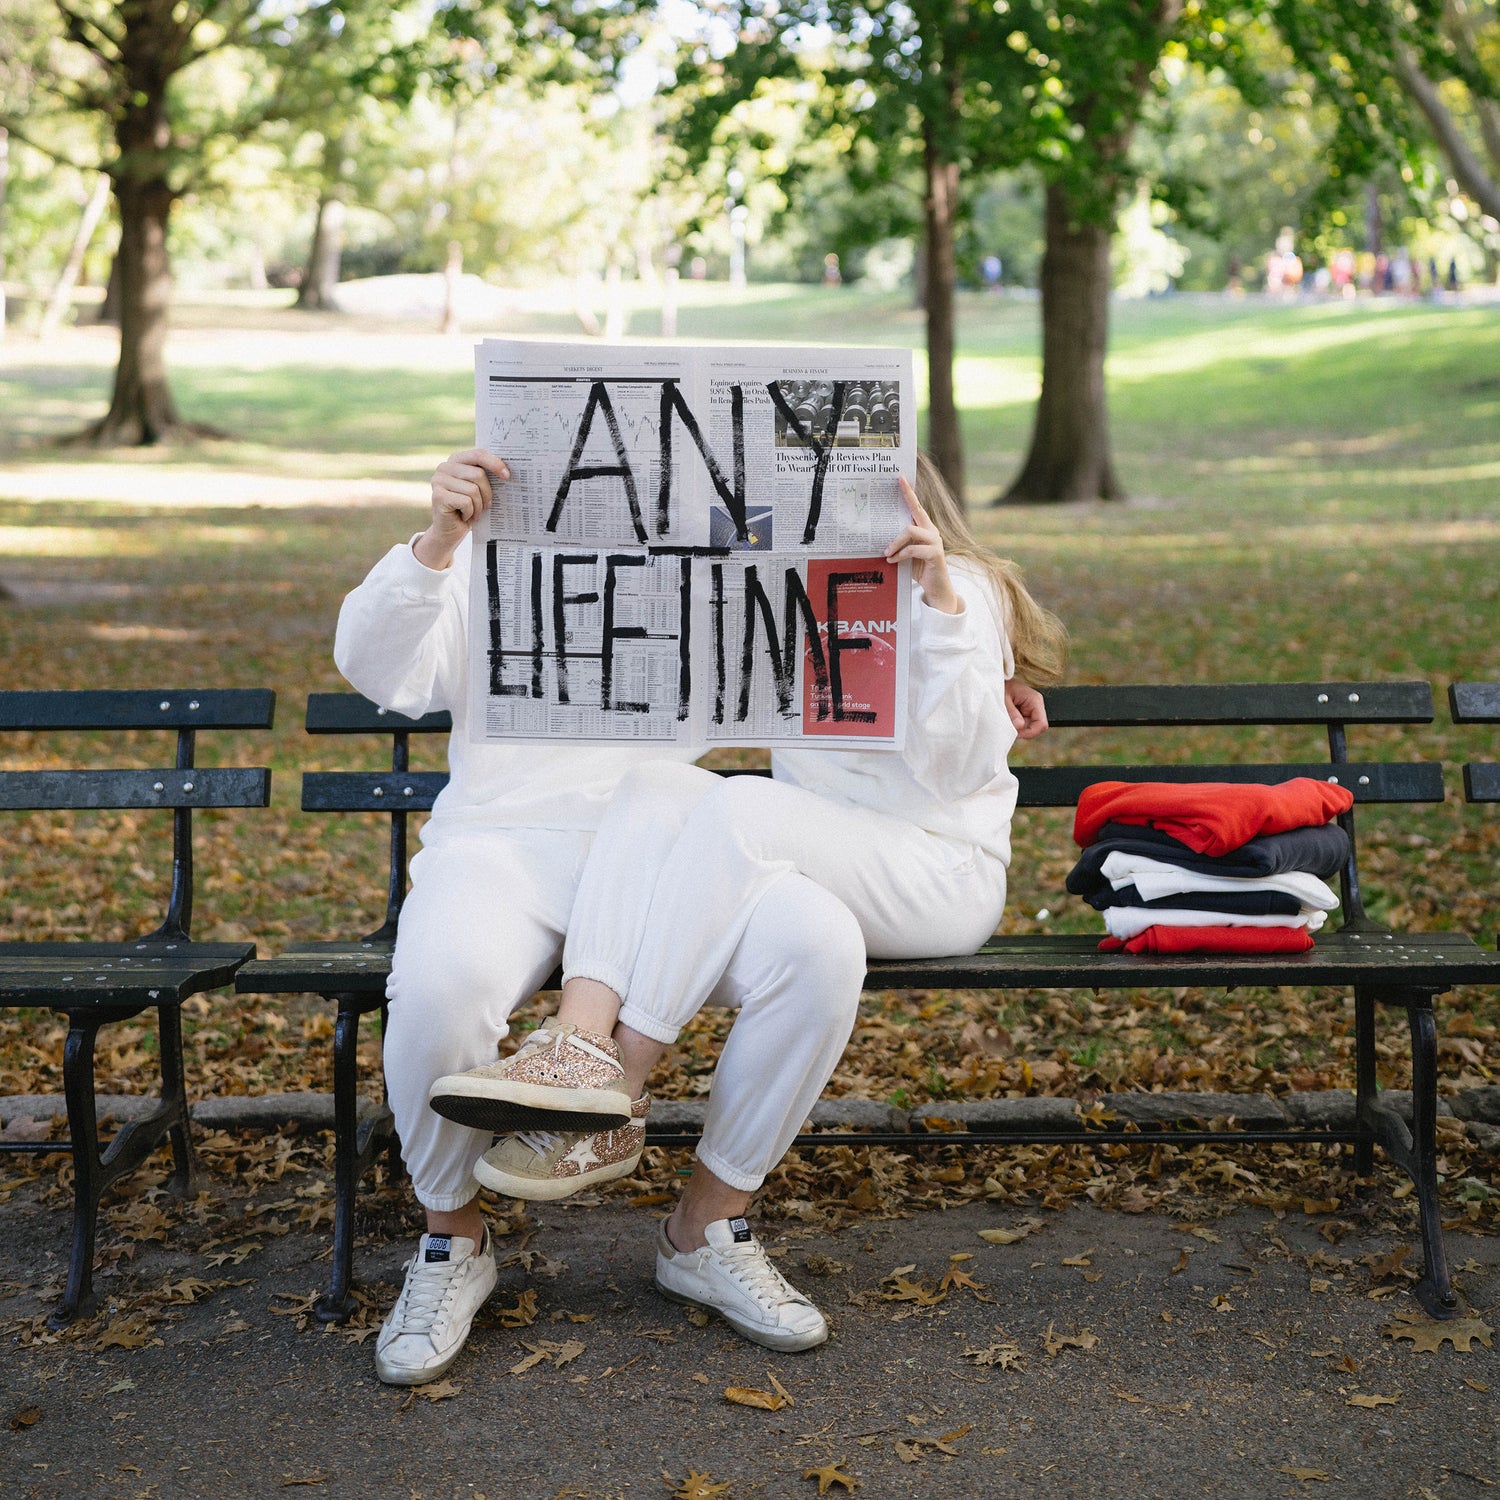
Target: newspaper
[690,548]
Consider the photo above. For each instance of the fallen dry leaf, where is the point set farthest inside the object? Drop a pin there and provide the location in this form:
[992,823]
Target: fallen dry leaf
[1321,1475]
[522,1315]
[1006,1356]
[745,1395]
[438,1390]
[27,1417]
[1371,1401]
[1055,1343]
[830,1475]
[1429,1334]
[696,1486]
[1010,1236]
[289,1482]
[1081,1259]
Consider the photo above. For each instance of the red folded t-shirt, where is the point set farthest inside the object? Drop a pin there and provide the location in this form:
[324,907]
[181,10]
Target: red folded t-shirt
[1163,939]
[1210,817]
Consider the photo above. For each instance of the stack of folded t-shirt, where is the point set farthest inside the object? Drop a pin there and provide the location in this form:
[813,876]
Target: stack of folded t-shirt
[1210,867]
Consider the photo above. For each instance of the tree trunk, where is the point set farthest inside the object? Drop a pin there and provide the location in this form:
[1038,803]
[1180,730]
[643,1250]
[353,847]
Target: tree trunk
[109,309]
[62,293]
[1468,168]
[322,272]
[151,52]
[141,410]
[1069,457]
[453,280]
[944,440]
[4,182]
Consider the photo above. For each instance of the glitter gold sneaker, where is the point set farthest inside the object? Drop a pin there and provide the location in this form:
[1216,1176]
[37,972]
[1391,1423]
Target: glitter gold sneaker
[447,1282]
[560,1079]
[542,1165]
[732,1276]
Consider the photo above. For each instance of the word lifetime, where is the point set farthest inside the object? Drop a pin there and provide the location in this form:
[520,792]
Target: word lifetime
[824,641]
[675,410]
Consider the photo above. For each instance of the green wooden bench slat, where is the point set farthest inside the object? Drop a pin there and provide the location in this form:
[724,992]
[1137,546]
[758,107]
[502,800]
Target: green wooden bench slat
[198,786]
[1375,781]
[1165,704]
[351,713]
[1474,702]
[139,708]
[1482,781]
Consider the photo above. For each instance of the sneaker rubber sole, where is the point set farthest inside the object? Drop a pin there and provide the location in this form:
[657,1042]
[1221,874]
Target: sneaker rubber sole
[527,1106]
[782,1343]
[549,1189]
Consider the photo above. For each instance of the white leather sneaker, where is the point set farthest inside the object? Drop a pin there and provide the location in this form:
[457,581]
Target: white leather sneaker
[732,1276]
[447,1282]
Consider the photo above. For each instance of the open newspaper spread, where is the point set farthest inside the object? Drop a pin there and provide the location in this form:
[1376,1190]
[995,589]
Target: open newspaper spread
[691,546]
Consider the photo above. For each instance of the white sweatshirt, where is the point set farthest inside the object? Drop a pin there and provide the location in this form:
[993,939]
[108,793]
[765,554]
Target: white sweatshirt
[402,640]
[951,778]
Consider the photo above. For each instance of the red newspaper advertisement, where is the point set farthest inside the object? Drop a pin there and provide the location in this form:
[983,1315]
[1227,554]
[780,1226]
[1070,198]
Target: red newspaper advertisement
[855,601]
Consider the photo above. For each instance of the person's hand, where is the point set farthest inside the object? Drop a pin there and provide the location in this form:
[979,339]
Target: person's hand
[922,546]
[1027,708]
[461,493]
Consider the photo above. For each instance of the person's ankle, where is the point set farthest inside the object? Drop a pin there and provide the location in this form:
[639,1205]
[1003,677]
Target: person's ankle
[682,1237]
[469,1227]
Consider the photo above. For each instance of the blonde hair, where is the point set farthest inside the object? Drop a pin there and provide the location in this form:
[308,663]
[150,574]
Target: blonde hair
[1038,638]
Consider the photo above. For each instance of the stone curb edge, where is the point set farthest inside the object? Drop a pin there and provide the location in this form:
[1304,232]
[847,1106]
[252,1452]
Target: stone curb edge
[1477,1108]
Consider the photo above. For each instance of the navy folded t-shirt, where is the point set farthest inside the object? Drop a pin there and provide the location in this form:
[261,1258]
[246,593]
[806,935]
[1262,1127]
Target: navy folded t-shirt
[1318,851]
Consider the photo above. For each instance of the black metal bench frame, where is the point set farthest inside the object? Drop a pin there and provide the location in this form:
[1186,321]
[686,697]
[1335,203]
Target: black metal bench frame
[96,983]
[1383,968]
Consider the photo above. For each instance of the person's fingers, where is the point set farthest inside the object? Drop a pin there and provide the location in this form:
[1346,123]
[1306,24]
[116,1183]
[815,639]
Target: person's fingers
[1017,718]
[473,475]
[481,458]
[913,505]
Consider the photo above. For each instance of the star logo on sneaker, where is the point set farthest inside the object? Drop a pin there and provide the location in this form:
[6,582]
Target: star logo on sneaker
[740,1228]
[438,1247]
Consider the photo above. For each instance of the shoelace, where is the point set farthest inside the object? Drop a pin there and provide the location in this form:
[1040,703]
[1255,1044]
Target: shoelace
[749,1266]
[423,1296]
[540,1141]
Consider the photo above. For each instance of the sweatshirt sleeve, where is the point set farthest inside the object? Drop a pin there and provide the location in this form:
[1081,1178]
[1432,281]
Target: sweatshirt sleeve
[960,726]
[401,637]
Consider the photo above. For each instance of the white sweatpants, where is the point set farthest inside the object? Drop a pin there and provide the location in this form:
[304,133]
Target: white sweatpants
[687,865]
[483,928]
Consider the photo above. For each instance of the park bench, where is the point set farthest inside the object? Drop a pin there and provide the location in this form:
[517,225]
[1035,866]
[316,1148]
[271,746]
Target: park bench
[95,983]
[1477,703]
[1383,968]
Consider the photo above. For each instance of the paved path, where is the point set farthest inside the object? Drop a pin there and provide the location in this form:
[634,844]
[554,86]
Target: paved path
[1101,1355]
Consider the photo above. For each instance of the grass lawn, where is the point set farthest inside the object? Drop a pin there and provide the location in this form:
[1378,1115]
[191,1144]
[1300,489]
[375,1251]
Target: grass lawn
[1317,495]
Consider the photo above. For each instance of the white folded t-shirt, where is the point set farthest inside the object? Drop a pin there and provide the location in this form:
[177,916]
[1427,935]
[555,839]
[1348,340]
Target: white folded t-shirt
[1153,879]
[1126,922]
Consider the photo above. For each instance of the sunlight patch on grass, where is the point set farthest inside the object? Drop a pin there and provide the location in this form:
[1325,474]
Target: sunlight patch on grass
[115,541]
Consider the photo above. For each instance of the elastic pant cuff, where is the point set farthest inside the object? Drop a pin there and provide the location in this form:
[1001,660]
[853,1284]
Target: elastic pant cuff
[745,1182]
[638,1020]
[448,1203]
[600,973]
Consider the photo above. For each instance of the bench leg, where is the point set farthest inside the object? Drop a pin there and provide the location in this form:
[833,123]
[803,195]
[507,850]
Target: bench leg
[174,1096]
[1365,1086]
[337,1303]
[1435,1290]
[79,1300]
